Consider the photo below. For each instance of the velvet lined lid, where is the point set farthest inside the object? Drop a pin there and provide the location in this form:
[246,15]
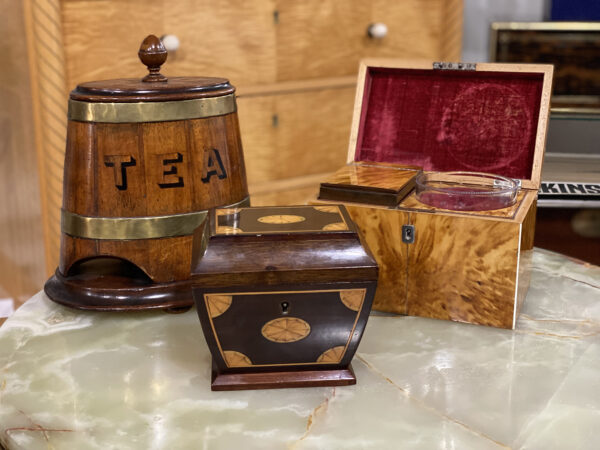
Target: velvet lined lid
[450,120]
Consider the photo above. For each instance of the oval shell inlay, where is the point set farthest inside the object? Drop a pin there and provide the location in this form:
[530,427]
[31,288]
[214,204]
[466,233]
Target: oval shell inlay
[352,298]
[333,355]
[285,329]
[328,209]
[236,359]
[281,219]
[335,226]
[218,304]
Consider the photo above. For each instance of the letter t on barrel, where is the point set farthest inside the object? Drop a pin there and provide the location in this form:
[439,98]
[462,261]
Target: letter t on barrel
[120,164]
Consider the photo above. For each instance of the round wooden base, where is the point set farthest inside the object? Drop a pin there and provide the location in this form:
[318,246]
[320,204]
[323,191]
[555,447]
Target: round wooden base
[109,287]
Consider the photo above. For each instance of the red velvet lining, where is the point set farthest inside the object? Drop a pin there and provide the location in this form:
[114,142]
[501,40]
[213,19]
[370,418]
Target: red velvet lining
[451,120]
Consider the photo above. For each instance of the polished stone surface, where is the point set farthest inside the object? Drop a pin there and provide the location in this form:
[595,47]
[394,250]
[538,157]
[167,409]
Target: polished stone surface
[89,380]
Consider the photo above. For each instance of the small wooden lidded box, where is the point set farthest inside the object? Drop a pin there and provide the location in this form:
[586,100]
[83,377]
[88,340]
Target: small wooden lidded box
[468,266]
[283,295]
[369,182]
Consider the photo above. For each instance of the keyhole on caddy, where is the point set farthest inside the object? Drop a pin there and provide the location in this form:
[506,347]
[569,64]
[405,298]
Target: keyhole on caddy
[284,307]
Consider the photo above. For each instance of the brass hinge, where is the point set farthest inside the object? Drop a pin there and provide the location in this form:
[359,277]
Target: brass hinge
[408,234]
[454,66]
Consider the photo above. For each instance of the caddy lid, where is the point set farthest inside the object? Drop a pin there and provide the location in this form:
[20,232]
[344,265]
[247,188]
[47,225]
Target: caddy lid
[453,117]
[367,182]
[154,87]
[282,220]
[274,245]
[153,98]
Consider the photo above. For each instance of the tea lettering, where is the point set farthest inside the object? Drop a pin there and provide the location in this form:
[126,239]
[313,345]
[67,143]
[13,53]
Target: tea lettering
[169,176]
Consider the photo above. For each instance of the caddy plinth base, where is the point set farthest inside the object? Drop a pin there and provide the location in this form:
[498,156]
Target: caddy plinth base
[277,380]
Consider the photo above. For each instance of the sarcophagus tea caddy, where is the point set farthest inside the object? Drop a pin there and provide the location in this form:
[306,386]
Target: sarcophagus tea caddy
[283,294]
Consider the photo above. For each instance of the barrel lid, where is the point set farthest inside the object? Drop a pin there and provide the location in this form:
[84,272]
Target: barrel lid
[154,87]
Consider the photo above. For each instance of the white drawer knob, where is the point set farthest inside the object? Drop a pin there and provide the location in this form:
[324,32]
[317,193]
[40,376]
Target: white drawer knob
[377,30]
[171,42]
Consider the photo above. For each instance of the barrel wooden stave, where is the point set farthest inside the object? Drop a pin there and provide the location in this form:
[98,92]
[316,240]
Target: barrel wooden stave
[79,182]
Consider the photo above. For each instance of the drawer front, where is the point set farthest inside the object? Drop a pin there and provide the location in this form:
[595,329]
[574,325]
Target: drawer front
[319,38]
[295,134]
[257,42]
[235,40]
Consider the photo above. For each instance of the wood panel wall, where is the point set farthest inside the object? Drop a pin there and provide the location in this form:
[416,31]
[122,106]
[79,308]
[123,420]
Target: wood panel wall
[43,21]
[22,271]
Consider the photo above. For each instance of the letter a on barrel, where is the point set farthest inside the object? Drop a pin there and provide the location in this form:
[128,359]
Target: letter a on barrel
[213,165]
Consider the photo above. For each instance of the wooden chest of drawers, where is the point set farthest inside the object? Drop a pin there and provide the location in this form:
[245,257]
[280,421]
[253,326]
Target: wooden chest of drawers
[294,63]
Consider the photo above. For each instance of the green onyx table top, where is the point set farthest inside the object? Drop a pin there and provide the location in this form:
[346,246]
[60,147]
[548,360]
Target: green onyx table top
[89,380]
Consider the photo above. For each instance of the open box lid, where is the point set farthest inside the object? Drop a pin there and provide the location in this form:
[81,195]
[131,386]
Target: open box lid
[480,118]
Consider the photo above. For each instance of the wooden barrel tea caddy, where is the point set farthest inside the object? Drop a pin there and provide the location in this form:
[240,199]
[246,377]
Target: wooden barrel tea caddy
[145,162]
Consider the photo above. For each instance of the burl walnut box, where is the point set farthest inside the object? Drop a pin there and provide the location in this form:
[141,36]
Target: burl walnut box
[283,295]
[468,266]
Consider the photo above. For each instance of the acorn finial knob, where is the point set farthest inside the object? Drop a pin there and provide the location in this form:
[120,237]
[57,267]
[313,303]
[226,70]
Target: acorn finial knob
[153,54]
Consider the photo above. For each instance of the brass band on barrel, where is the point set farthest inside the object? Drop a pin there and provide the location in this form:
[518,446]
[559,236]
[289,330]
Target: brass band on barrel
[151,111]
[123,228]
